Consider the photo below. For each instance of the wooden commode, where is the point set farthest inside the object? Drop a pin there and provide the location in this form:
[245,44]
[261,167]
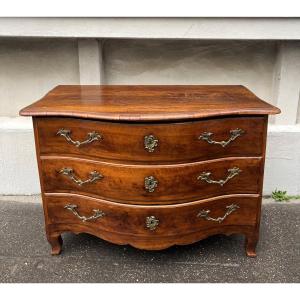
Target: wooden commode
[151,166]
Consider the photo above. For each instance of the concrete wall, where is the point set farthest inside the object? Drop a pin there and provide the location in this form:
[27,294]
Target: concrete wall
[29,67]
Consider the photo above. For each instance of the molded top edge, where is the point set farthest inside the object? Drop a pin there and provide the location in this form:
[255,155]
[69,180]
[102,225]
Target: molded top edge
[147,103]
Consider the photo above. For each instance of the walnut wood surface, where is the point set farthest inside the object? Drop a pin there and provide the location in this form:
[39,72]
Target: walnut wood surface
[177,142]
[177,115]
[149,103]
[127,223]
[176,183]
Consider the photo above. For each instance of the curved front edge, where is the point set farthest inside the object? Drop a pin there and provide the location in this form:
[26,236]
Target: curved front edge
[151,184]
[156,242]
[154,227]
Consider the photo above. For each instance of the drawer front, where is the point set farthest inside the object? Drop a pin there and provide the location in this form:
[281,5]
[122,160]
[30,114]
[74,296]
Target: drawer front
[176,142]
[164,220]
[147,184]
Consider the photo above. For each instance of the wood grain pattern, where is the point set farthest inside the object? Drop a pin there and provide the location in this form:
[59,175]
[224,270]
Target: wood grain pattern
[177,142]
[149,103]
[127,223]
[176,183]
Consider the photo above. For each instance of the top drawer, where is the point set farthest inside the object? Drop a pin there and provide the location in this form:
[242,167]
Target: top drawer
[157,143]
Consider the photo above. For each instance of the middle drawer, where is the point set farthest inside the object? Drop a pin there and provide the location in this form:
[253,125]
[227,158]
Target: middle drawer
[150,184]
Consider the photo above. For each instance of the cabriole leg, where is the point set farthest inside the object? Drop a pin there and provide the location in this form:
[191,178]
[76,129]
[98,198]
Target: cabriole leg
[250,244]
[56,242]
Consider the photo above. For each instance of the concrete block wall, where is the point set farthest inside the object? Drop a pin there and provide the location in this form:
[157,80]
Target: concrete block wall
[34,60]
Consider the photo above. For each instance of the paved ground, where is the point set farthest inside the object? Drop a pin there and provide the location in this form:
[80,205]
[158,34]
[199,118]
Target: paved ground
[24,253]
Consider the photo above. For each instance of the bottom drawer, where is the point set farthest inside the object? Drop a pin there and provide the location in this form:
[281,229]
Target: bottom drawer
[84,213]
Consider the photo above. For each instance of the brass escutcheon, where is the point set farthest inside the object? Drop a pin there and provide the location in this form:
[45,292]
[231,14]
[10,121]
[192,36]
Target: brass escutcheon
[150,142]
[150,184]
[152,222]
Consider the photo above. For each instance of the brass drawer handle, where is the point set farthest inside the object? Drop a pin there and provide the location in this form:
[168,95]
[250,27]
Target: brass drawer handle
[150,142]
[232,172]
[97,213]
[94,176]
[150,184]
[152,222]
[230,209]
[92,136]
[207,136]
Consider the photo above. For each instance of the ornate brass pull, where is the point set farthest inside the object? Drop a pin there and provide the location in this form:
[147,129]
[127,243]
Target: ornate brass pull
[150,142]
[232,172]
[94,176]
[97,213]
[152,223]
[150,183]
[230,209]
[206,136]
[92,136]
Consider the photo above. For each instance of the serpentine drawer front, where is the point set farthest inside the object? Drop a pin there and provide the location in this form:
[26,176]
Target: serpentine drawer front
[157,143]
[152,184]
[151,166]
[163,221]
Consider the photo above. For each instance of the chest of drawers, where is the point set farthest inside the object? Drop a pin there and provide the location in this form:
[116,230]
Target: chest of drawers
[151,166]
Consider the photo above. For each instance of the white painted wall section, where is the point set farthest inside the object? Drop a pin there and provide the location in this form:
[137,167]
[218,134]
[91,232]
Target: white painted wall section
[90,61]
[154,28]
[282,167]
[29,68]
[18,165]
[287,82]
